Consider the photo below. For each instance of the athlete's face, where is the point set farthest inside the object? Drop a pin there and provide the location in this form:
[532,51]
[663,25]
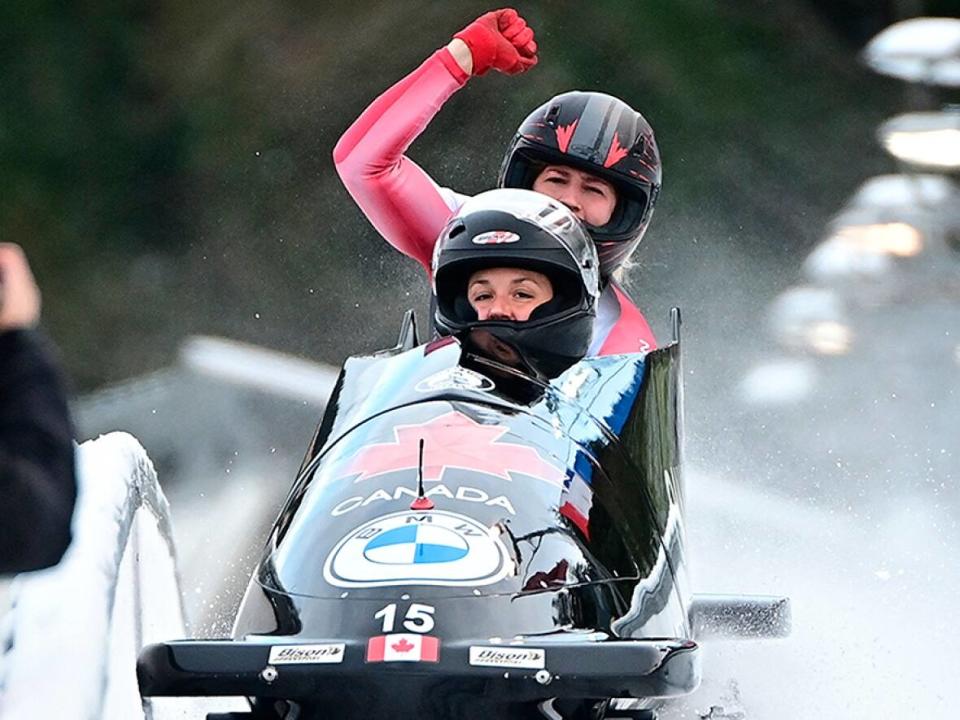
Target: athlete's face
[507,293]
[590,198]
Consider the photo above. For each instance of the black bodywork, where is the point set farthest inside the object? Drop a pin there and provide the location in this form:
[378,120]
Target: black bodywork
[524,539]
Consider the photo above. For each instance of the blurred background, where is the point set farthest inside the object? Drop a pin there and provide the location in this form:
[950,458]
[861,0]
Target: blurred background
[167,166]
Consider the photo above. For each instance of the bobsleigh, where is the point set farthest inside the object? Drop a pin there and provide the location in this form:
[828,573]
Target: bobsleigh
[466,541]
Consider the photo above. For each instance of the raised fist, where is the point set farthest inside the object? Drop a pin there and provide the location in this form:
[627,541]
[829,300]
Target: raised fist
[502,40]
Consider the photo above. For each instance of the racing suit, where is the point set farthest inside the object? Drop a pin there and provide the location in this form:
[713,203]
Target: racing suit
[409,209]
[37,482]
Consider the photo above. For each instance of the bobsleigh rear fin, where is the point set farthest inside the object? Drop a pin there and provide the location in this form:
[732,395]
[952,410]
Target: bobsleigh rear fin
[409,337]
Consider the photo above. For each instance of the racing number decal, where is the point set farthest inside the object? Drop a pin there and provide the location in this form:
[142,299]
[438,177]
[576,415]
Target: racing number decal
[419,618]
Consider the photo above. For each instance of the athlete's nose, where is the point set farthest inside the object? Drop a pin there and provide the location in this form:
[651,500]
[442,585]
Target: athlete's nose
[571,198]
[500,310]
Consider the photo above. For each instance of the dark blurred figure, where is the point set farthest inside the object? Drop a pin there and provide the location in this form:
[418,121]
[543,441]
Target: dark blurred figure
[38,486]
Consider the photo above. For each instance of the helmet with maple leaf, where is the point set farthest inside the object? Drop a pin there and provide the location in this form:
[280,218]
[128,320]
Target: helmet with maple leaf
[601,135]
[528,230]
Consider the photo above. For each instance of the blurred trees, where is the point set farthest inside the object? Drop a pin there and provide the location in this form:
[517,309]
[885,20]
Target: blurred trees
[167,165]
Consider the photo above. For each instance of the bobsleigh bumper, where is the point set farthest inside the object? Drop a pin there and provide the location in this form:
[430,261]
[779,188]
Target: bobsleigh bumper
[575,669]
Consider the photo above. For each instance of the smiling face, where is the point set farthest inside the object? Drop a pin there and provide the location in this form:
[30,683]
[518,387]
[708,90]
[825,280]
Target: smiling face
[507,293]
[590,198]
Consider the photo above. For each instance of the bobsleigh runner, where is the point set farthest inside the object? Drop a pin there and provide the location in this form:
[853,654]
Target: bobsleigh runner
[464,541]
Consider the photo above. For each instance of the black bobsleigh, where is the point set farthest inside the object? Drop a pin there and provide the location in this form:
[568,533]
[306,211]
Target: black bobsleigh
[464,541]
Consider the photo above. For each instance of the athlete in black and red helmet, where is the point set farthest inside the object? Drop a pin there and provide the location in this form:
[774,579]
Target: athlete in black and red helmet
[603,164]
[604,137]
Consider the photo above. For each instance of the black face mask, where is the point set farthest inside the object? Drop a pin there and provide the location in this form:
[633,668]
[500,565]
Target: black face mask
[508,367]
[505,344]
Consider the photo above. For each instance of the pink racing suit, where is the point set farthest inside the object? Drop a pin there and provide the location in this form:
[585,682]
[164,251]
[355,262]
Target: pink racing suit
[409,209]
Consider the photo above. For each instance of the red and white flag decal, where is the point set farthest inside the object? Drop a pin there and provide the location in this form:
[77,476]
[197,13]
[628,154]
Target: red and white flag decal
[403,647]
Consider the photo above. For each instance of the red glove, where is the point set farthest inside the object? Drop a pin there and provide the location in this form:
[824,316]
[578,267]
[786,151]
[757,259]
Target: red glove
[501,40]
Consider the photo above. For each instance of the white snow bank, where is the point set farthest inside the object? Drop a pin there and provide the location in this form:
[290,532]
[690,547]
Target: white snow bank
[73,633]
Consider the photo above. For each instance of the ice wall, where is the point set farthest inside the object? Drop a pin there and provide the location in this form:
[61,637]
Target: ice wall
[73,632]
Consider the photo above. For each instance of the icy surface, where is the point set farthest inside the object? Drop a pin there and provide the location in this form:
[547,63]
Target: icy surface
[873,598]
[72,636]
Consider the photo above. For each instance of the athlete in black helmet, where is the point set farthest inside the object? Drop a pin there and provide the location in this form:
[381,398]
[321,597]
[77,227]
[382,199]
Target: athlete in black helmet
[590,151]
[518,267]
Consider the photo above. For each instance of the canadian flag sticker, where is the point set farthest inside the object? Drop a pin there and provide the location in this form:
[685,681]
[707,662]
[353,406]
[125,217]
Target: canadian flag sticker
[403,647]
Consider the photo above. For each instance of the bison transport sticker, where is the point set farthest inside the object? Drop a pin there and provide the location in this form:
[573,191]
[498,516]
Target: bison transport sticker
[508,657]
[418,548]
[331,653]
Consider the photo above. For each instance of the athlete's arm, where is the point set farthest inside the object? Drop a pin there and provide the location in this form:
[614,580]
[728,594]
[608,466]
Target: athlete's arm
[401,201]
[37,484]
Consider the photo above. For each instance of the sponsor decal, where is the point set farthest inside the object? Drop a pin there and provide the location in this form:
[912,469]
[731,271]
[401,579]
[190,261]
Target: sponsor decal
[452,440]
[508,657]
[419,618]
[411,548]
[495,237]
[456,378]
[462,493]
[330,653]
[403,647]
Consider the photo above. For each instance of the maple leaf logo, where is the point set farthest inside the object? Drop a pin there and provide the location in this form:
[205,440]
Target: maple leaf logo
[404,646]
[565,135]
[616,153]
[452,440]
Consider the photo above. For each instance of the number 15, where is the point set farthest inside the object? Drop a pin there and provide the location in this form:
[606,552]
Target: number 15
[419,618]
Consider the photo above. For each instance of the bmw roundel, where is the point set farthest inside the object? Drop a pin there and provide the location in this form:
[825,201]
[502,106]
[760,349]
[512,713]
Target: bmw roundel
[418,544]
[417,548]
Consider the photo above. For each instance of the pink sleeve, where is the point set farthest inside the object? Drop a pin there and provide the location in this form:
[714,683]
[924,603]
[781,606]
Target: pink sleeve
[631,333]
[401,201]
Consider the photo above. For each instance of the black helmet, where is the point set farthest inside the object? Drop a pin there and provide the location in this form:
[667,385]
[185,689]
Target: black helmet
[524,229]
[601,135]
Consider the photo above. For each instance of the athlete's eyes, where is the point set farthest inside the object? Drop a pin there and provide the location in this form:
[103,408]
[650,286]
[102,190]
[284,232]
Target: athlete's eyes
[598,190]
[525,294]
[480,297]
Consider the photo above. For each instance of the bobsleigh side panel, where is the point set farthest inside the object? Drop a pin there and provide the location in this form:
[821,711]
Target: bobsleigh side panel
[496,469]
[646,465]
[557,512]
